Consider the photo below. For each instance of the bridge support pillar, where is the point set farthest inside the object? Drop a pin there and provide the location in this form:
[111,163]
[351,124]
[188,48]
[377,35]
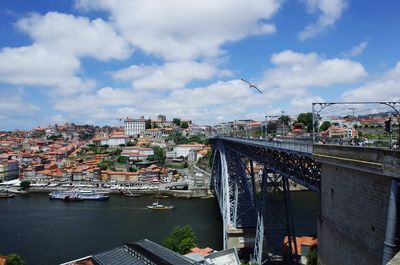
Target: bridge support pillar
[275,236]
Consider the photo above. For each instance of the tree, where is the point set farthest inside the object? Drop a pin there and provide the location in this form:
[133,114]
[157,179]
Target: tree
[176,121]
[307,120]
[122,159]
[285,119]
[147,124]
[184,125]
[25,184]
[14,259]
[181,239]
[312,256]
[324,126]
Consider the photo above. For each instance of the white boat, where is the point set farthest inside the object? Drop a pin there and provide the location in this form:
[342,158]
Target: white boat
[158,206]
[82,194]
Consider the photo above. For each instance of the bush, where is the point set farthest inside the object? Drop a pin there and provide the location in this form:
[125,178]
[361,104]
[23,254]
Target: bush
[25,184]
[14,259]
[181,239]
[312,256]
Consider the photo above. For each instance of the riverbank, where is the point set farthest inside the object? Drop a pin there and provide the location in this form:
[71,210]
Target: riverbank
[188,194]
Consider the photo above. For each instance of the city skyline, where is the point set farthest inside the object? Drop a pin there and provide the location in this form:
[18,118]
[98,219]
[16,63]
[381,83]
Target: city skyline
[87,62]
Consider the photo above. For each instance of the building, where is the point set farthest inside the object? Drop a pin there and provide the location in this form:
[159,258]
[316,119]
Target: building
[116,140]
[183,150]
[9,169]
[162,118]
[146,252]
[134,126]
[340,132]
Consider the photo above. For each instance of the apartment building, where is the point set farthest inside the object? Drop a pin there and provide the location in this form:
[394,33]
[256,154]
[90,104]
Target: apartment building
[134,126]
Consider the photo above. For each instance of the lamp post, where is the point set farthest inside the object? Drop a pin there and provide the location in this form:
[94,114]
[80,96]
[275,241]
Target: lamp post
[283,124]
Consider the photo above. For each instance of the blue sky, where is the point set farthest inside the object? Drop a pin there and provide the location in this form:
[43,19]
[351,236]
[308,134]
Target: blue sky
[95,61]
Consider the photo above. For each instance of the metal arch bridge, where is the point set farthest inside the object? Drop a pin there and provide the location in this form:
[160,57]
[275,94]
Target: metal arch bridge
[233,183]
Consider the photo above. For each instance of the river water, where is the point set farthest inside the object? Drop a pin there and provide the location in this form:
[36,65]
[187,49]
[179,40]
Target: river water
[45,232]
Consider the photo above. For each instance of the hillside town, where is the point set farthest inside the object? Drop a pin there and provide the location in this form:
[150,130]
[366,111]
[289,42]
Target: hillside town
[150,152]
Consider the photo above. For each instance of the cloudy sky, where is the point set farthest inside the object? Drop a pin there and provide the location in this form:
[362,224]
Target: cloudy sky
[89,61]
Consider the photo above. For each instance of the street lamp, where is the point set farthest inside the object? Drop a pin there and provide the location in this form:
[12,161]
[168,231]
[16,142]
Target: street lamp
[283,124]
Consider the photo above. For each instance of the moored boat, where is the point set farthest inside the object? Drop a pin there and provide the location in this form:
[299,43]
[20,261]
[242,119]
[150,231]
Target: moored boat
[6,195]
[159,206]
[72,198]
[130,194]
[83,195]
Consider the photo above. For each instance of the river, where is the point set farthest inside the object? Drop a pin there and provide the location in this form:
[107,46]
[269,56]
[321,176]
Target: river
[45,232]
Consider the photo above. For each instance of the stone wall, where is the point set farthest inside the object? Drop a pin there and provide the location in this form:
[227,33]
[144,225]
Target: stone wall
[355,186]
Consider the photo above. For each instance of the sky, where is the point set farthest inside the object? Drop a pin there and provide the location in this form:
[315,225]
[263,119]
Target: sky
[95,62]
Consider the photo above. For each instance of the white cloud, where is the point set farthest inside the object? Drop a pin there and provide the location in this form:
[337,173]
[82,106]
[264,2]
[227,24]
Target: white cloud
[76,36]
[172,75]
[296,71]
[328,11]
[53,60]
[356,50]
[289,80]
[36,66]
[12,105]
[385,88]
[186,29]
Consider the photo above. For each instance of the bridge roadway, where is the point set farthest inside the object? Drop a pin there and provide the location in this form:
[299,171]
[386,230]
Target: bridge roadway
[291,158]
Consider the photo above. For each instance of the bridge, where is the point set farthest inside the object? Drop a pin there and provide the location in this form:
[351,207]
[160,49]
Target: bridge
[261,222]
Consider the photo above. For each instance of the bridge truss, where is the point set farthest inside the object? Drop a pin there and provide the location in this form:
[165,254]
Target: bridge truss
[268,212]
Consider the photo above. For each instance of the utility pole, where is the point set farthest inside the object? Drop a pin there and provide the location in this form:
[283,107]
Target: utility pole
[283,124]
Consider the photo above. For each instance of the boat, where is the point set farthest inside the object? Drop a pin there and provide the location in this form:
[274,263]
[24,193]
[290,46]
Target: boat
[158,206]
[160,196]
[130,194]
[72,198]
[6,195]
[82,194]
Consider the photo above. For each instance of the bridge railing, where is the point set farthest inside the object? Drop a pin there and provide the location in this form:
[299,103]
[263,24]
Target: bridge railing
[305,146]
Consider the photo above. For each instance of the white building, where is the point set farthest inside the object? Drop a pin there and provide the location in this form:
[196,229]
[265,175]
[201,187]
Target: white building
[115,140]
[184,149]
[134,126]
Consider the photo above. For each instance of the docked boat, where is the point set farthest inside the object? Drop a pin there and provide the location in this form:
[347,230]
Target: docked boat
[130,194]
[6,195]
[72,198]
[160,196]
[82,194]
[159,206]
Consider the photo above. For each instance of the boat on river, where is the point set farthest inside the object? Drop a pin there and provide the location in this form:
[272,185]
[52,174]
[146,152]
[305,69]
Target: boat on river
[82,194]
[6,195]
[159,206]
[72,198]
[130,194]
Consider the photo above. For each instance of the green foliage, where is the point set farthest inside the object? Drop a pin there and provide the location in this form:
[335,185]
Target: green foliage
[312,256]
[54,137]
[184,125]
[324,126]
[176,121]
[106,164]
[181,239]
[25,184]
[306,119]
[285,119]
[148,124]
[14,259]
[130,143]
[122,159]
